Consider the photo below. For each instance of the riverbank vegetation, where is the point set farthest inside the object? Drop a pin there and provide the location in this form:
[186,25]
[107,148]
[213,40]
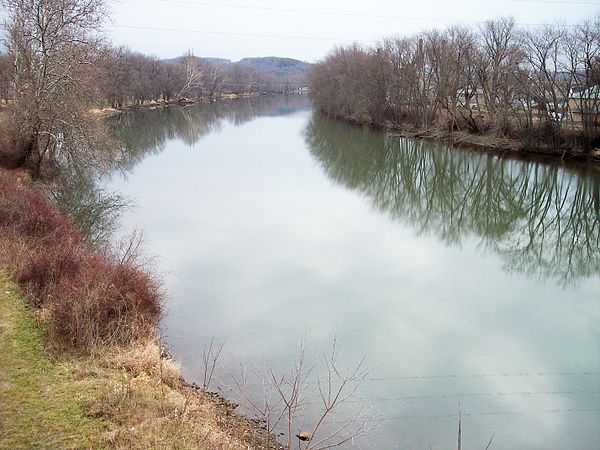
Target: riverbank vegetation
[91,299]
[81,361]
[132,79]
[536,88]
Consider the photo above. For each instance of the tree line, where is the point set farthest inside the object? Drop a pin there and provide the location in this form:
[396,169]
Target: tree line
[538,85]
[132,78]
[57,66]
[127,78]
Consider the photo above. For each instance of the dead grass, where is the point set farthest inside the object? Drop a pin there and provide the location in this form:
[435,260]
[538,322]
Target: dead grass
[123,398]
[144,358]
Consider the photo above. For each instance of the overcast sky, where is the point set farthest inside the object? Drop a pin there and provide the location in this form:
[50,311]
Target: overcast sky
[306,29]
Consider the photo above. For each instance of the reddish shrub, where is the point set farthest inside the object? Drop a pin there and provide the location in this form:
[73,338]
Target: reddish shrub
[28,211]
[45,269]
[104,303]
[91,299]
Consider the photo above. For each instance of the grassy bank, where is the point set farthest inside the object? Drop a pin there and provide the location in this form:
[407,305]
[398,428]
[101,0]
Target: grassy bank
[41,401]
[80,362]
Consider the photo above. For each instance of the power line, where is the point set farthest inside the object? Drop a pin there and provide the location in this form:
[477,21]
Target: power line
[303,11]
[534,412]
[355,14]
[483,394]
[489,413]
[227,33]
[486,375]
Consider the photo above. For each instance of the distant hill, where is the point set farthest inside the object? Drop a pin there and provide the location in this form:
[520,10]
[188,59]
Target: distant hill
[272,66]
[277,67]
[221,62]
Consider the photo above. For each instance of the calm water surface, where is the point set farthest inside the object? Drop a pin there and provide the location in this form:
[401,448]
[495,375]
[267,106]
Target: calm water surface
[469,282]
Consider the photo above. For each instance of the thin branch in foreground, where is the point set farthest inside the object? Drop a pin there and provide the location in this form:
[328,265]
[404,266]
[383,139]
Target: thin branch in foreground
[210,355]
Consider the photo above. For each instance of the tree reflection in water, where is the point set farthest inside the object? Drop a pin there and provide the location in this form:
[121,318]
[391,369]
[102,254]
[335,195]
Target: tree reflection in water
[542,219]
[146,132]
[80,190]
[80,194]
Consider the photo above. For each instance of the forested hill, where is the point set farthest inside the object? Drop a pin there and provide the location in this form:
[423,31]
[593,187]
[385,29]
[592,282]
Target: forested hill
[272,66]
[277,67]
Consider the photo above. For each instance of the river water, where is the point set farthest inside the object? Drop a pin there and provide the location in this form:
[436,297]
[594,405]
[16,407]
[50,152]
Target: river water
[469,282]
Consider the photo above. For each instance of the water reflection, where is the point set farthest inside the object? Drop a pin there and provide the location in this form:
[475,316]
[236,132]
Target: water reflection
[265,240]
[147,131]
[81,195]
[80,189]
[541,219]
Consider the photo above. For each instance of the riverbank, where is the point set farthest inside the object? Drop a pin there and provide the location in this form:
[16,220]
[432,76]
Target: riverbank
[475,141]
[107,112]
[120,398]
[110,385]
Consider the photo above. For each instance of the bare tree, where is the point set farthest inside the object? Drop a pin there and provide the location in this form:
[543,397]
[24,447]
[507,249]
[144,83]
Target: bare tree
[5,78]
[583,50]
[114,77]
[451,56]
[193,76]
[55,45]
[550,80]
[213,80]
[499,58]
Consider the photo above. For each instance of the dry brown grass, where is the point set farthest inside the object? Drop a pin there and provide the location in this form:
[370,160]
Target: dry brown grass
[144,358]
[153,408]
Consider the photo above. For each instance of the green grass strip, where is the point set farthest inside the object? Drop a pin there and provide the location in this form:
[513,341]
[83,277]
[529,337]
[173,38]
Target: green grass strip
[41,403]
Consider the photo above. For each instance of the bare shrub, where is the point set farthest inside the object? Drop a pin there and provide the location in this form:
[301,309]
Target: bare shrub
[306,404]
[210,356]
[104,303]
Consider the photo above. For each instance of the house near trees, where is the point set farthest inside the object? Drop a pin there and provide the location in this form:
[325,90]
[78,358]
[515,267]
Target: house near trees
[585,105]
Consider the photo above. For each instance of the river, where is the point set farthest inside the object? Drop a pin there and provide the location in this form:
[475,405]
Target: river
[469,282]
